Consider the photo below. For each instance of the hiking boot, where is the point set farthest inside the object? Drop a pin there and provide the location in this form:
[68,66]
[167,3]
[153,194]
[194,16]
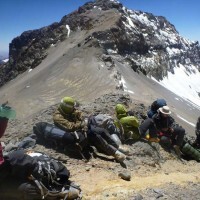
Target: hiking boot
[124,149]
[177,150]
[73,193]
[119,156]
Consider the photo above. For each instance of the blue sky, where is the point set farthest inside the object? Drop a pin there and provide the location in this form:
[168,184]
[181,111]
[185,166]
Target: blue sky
[17,16]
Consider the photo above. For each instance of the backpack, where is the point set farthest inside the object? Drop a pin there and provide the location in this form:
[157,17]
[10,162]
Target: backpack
[49,134]
[52,178]
[44,175]
[158,104]
[190,151]
[49,170]
[41,166]
[101,123]
[155,106]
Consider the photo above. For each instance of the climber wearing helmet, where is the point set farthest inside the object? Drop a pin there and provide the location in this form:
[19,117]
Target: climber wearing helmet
[127,123]
[67,117]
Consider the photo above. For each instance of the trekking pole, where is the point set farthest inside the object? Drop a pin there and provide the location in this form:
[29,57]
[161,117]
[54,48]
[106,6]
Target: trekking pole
[80,152]
[83,156]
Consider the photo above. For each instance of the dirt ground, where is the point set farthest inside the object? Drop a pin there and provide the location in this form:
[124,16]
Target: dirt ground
[99,179]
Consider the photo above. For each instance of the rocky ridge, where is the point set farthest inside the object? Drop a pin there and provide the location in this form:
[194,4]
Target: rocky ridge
[146,42]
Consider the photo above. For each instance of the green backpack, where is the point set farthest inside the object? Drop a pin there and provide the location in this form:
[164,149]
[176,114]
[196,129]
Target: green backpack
[188,150]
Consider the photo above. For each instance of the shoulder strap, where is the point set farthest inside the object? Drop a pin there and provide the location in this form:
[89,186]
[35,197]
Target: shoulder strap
[121,130]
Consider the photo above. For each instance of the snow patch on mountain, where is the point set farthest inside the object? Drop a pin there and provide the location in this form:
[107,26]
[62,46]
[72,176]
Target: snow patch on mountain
[173,51]
[5,60]
[68,30]
[192,124]
[123,84]
[183,82]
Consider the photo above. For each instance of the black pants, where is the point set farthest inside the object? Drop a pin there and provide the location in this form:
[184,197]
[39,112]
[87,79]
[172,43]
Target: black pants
[146,126]
[175,138]
[103,143]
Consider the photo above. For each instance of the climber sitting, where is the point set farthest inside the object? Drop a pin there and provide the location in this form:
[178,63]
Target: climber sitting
[128,124]
[162,125]
[71,121]
[104,135]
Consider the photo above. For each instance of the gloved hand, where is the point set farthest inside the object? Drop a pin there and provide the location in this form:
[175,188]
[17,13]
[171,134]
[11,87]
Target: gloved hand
[171,130]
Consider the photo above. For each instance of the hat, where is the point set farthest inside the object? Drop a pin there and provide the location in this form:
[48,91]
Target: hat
[165,110]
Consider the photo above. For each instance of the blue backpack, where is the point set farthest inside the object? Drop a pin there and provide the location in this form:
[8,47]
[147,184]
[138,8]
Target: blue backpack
[155,106]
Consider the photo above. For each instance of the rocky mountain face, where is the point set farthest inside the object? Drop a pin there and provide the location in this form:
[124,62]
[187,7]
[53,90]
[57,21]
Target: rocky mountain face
[147,43]
[86,55]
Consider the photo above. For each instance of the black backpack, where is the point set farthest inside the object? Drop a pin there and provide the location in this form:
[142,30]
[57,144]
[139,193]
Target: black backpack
[44,175]
[23,164]
[49,134]
[49,170]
